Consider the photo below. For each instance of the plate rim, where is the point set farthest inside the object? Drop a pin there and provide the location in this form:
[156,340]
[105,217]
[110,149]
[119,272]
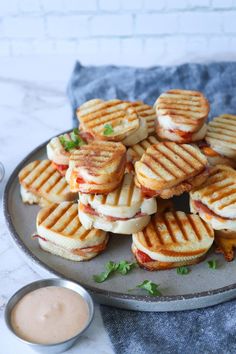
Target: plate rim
[94,290]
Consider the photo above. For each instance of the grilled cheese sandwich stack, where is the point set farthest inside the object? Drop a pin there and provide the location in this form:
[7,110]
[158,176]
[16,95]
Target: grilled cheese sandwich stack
[42,184]
[60,232]
[122,211]
[221,138]
[181,116]
[172,239]
[116,120]
[215,200]
[167,169]
[60,148]
[97,167]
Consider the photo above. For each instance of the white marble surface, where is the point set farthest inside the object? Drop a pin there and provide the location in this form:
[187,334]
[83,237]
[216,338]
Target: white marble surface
[33,107]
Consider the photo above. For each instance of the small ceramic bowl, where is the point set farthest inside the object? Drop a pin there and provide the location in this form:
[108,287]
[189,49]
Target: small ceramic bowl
[57,347]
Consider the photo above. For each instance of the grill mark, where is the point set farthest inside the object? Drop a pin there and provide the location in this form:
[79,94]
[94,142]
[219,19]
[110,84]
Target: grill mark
[168,225]
[194,228]
[206,227]
[232,201]
[63,188]
[84,234]
[90,116]
[183,158]
[219,124]
[130,192]
[154,171]
[222,134]
[117,197]
[146,238]
[214,199]
[46,178]
[33,169]
[157,232]
[191,153]
[70,219]
[113,120]
[104,199]
[59,178]
[191,156]
[170,158]
[162,165]
[178,222]
[62,211]
[49,210]
[77,226]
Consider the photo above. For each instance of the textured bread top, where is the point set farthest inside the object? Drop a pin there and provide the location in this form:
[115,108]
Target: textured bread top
[62,220]
[219,191]
[99,161]
[221,135]
[135,152]
[42,179]
[176,234]
[95,115]
[145,111]
[183,106]
[166,164]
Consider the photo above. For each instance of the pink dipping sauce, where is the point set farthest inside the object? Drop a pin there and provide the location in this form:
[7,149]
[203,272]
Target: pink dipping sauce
[50,315]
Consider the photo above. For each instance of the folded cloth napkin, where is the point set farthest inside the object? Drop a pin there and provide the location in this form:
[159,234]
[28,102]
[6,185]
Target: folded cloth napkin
[206,331]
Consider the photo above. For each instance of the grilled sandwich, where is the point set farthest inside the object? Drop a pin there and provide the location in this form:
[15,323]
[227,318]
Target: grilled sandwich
[110,120]
[167,169]
[60,148]
[172,239]
[181,115]
[221,140]
[42,184]
[97,167]
[122,211]
[60,232]
[215,200]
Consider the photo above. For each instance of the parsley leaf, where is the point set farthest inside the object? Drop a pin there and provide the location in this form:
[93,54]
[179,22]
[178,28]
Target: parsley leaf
[150,287]
[183,270]
[123,267]
[75,142]
[108,129]
[212,264]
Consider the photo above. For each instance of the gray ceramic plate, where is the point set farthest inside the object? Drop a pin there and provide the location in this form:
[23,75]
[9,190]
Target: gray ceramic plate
[202,287]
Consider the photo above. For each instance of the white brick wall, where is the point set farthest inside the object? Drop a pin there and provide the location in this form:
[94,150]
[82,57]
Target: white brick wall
[132,32]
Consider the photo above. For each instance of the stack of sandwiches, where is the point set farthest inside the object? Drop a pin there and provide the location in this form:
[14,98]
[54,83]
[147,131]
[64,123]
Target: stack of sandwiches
[181,116]
[118,175]
[220,147]
[215,202]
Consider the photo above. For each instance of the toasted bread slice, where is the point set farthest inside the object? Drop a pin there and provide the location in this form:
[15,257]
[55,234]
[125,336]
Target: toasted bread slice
[221,135]
[99,166]
[172,239]
[182,109]
[60,232]
[122,211]
[45,182]
[167,164]
[95,115]
[215,200]
[57,152]
[135,152]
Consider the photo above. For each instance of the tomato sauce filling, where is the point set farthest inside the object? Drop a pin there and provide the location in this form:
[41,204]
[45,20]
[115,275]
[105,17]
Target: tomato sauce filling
[60,168]
[202,207]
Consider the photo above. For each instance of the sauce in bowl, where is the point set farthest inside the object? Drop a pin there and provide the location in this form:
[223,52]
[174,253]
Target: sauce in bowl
[50,315]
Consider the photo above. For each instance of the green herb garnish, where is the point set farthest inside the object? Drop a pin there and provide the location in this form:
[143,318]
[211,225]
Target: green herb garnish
[123,267]
[212,264]
[182,270]
[75,142]
[150,287]
[108,129]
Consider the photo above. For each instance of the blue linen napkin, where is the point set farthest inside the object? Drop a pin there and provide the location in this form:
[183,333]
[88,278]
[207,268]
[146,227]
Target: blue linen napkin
[206,331]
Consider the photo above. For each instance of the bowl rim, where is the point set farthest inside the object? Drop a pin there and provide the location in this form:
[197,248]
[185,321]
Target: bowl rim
[38,284]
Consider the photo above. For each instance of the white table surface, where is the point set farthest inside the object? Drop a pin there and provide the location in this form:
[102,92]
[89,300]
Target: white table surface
[33,107]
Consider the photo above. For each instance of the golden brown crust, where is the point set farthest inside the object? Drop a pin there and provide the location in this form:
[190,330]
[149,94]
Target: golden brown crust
[157,265]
